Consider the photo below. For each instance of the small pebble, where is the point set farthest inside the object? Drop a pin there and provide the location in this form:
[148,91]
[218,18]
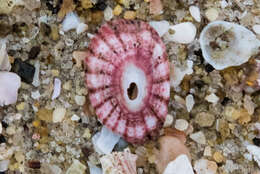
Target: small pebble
[80,100]
[24,70]
[195,13]
[181,124]
[35,95]
[34,164]
[207,151]
[204,166]
[256,141]
[2,139]
[198,137]
[75,118]
[189,102]
[211,14]
[67,85]
[86,134]
[209,68]
[1,127]
[117,10]
[256,29]
[4,58]
[86,4]
[108,13]
[204,119]
[168,121]
[218,157]
[11,130]
[20,106]
[34,52]
[58,114]
[76,168]
[101,5]
[182,33]
[212,98]
[130,14]
[223,4]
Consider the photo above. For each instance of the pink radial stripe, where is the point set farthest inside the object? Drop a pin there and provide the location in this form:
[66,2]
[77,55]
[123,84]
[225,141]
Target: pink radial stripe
[128,78]
[95,81]
[97,65]
[162,89]
[99,96]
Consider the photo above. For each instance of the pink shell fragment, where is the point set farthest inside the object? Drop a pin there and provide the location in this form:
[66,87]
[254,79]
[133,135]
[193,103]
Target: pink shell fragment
[128,78]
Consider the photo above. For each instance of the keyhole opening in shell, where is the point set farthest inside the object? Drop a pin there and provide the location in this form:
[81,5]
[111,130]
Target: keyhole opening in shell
[132,91]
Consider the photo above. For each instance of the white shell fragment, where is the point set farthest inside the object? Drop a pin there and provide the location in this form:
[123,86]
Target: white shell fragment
[212,98]
[105,141]
[189,102]
[160,26]
[58,114]
[72,21]
[178,73]
[36,81]
[204,166]
[4,165]
[182,33]
[81,28]
[4,59]
[255,151]
[195,13]
[181,165]
[76,167]
[226,44]
[119,162]
[94,169]
[56,89]
[9,85]
[108,13]
[256,29]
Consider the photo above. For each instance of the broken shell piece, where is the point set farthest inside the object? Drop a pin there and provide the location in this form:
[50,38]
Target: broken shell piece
[182,33]
[160,26]
[4,59]
[181,165]
[56,88]
[255,151]
[195,13]
[72,21]
[9,85]
[226,44]
[94,169]
[76,167]
[119,162]
[170,148]
[204,166]
[256,29]
[178,73]
[128,78]
[189,102]
[105,141]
